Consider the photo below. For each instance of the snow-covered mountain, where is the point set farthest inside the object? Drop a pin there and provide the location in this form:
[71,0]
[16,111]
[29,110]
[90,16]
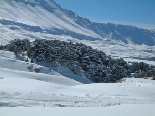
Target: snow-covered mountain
[45,16]
[45,19]
[21,85]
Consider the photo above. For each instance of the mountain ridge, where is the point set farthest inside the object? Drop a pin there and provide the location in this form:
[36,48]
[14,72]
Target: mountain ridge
[105,29]
[47,14]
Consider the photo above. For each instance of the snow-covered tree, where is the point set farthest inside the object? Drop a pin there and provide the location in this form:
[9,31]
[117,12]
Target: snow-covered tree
[98,67]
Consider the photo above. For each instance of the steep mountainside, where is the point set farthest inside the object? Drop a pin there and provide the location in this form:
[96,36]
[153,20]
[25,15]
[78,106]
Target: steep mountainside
[45,14]
[50,18]
[125,33]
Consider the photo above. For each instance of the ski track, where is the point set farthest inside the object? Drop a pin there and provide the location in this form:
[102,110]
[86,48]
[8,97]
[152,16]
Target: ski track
[54,100]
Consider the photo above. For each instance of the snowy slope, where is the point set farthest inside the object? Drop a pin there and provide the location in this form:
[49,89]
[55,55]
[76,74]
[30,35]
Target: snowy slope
[42,77]
[9,63]
[124,110]
[27,92]
[26,19]
[49,17]
[21,87]
[36,14]
[57,86]
[110,47]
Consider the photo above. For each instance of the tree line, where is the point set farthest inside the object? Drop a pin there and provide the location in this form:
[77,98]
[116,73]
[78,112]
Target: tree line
[97,66]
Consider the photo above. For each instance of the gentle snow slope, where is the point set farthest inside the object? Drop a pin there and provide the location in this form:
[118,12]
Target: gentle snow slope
[19,87]
[124,110]
[7,73]
[9,61]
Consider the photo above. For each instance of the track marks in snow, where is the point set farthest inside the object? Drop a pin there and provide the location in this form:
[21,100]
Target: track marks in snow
[61,100]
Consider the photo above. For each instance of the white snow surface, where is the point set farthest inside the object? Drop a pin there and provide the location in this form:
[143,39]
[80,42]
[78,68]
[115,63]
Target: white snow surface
[123,110]
[20,87]
[38,16]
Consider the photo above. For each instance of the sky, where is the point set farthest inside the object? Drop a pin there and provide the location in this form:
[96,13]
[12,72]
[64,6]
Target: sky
[140,13]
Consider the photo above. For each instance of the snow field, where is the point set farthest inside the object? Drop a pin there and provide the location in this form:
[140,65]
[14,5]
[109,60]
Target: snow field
[122,110]
[22,87]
